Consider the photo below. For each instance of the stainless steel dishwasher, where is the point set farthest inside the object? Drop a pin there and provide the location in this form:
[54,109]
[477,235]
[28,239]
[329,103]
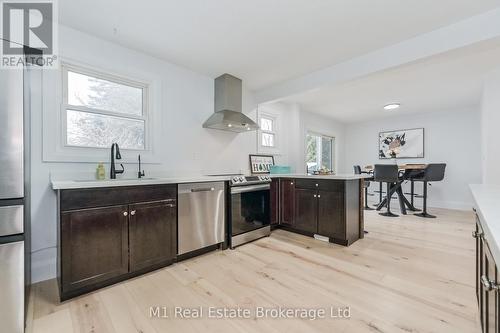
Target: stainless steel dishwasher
[201,220]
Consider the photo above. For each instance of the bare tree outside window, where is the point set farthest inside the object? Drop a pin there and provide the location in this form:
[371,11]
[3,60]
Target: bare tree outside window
[100,112]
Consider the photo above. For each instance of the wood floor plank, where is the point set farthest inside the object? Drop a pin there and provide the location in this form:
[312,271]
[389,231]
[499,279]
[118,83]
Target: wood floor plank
[407,275]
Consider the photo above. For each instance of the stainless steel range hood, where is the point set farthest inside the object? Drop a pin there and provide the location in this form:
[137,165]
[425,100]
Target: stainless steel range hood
[228,115]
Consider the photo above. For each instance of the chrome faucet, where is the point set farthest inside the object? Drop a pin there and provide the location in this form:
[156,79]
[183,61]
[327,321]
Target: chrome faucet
[140,174]
[115,154]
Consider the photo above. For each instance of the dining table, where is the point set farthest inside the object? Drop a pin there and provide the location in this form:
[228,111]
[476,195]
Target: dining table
[406,172]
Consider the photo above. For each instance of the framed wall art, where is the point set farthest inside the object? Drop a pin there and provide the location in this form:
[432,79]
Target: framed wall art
[406,143]
[261,163]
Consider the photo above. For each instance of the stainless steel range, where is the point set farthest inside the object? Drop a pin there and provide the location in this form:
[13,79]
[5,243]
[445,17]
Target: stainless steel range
[250,212]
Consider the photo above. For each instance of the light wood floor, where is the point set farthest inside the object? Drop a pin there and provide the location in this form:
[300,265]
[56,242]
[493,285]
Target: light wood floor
[407,275]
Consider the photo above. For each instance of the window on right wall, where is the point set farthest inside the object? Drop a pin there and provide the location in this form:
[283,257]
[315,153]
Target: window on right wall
[319,152]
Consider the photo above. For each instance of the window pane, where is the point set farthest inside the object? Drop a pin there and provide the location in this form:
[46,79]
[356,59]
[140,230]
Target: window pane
[94,130]
[326,153]
[84,90]
[312,153]
[319,153]
[268,140]
[266,124]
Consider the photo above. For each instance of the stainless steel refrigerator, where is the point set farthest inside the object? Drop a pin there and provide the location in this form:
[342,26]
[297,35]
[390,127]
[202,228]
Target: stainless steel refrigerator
[14,199]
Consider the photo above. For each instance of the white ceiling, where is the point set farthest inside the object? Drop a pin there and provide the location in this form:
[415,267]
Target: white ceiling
[449,81]
[262,41]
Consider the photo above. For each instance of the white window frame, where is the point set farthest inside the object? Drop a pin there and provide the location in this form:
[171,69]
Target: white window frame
[50,98]
[309,132]
[275,132]
[65,106]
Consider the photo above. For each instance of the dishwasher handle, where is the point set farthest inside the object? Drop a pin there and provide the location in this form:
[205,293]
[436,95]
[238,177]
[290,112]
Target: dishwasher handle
[203,189]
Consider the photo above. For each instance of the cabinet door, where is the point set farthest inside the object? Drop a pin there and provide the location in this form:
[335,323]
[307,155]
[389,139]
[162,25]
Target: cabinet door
[275,201]
[489,314]
[331,222]
[306,210]
[152,234]
[287,201]
[94,246]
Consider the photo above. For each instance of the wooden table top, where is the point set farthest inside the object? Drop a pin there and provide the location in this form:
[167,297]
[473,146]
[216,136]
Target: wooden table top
[407,166]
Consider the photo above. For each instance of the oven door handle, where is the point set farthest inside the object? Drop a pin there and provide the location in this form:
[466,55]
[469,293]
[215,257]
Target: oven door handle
[251,188]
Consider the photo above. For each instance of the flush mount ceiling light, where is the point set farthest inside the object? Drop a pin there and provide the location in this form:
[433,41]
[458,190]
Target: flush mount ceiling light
[392,106]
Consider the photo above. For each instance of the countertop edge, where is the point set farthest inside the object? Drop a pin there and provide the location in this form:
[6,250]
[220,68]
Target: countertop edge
[71,184]
[488,212]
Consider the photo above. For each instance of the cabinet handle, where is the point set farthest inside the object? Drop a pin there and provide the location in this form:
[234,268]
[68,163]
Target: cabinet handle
[291,183]
[319,195]
[132,212]
[476,234]
[317,185]
[315,195]
[488,284]
[125,213]
[170,205]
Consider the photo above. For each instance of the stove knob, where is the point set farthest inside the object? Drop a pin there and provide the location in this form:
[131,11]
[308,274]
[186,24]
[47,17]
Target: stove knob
[242,179]
[235,179]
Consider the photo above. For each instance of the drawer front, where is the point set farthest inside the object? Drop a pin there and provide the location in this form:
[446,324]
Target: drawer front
[11,220]
[112,196]
[320,184]
[308,184]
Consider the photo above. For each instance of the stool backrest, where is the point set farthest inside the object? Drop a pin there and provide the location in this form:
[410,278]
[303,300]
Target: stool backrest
[386,173]
[434,172]
[357,170]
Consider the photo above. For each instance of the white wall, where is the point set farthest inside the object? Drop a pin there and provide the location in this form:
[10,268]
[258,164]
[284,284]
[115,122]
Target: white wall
[490,118]
[452,137]
[185,147]
[295,123]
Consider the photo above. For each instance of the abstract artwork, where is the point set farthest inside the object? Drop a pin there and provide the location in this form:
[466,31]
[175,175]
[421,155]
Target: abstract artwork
[408,143]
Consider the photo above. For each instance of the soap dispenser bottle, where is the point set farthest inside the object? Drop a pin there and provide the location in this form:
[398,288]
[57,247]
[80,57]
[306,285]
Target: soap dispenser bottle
[100,172]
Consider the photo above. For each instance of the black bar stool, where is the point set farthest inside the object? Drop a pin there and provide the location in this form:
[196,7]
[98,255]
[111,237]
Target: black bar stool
[434,172]
[357,171]
[387,173]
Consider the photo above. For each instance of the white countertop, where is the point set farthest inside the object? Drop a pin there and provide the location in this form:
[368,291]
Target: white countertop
[75,184]
[340,176]
[487,205]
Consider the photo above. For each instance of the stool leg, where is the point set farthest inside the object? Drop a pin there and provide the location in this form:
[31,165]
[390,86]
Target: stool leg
[366,200]
[388,213]
[424,212]
[412,196]
[379,194]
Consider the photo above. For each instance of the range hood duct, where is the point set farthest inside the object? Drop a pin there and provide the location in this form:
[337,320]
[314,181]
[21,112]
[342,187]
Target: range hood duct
[228,115]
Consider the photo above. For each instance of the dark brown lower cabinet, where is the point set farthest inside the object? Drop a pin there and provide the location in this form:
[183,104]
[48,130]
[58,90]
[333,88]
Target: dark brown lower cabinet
[328,208]
[306,210]
[287,201]
[275,201]
[486,284]
[152,234]
[95,245]
[117,239]
[331,214]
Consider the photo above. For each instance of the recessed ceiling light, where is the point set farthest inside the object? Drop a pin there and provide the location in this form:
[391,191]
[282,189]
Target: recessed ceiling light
[392,106]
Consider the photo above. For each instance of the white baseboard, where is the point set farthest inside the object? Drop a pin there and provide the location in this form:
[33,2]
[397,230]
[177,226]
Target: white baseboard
[458,205]
[43,265]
